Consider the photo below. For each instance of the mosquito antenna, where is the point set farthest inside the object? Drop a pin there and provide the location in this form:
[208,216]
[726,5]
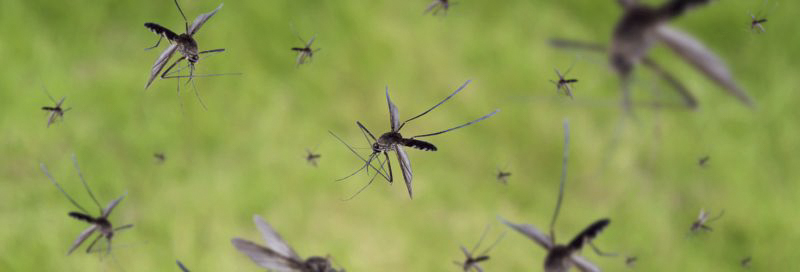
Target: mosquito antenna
[464,125]
[563,182]
[440,103]
[356,153]
[185,22]
[52,180]
[365,186]
[85,185]
[493,244]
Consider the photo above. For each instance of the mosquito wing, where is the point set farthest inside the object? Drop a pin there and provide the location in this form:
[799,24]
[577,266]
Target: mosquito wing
[201,19]
[266,257]
[52,118]
[703,59]
[111,206]
[532,233]
[160,63]
[405,166]
[274,240]
[81,238]
[393,116]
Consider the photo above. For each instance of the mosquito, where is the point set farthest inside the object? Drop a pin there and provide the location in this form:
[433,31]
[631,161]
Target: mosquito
[472,262]
[394,141]
[56,111]
[703,161]
[561,257]
[746,262]
[438,5]
[563,83]
[278,255]
[183,43]
[641,27]
[306,52]
[503,176]
[100,223]
[312,158]
[160,157]
[181,266]
[702,220]
[757,20]
[631,260]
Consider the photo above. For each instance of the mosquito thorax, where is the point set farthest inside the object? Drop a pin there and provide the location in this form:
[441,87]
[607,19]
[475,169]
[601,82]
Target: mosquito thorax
[318,264]
[558,259]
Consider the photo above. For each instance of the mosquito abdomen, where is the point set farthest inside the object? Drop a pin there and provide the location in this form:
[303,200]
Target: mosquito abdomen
[421,145]
[160,30]
[82,217]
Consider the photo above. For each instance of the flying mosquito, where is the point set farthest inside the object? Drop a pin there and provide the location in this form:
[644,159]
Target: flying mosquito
[438,5]
[312,158]
[183,43]
[703,161]
[746,262]
[306,52]
[641,27]
[394,141]
[503,176]
[560,257]
[702,220]
[757,21]
[160,157]
[563,83]
[472,262]
[56,111]
[631,260]
[181,266]
[278,255]
[100,223]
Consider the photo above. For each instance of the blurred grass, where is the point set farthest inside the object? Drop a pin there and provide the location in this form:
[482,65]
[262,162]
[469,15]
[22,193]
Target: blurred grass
[244,155]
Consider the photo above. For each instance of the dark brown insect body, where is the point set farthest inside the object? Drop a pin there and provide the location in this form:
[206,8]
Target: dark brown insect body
[304,53]
[503,176]
[703,219]
[564,84]
[559,257]
[312,158]
[756,24]
[438,5]
[56,111]
[472,262]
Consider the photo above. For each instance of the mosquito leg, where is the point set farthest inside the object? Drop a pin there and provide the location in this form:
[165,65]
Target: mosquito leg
[464,125]
[165,74]
[356,153]
[562,183]
[364,129]
[157,43]
[89,248]
[75,203]
[437,105]
[359,170]
[85,185]
[500,238]
[185,22]
[389,163]
[483,235]
[365,186]
[600,252]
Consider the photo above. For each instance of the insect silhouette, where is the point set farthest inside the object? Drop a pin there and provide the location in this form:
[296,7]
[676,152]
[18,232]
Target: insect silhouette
[181,266]
[99,224]
[703,161]
[160,157]
[312,158]
[757,20]
[56,111]
[641,27]
[631,260]
[703,219]
[183,43]
[561,257]
[394,141]
[438,6]
[472,262]
[746,262]
[503,176]
[278,255]
[564,84]
[306,52]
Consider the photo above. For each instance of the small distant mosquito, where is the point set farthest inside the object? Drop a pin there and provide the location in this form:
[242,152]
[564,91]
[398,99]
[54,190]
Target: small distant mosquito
[503,176]
[703,161]
[278,255]
[305,52]
[181,266]
[631,260]
[473,262]
[439,5]
[394,141]
[702,220]
[757,20]
[746,262]
[160,157]
[312,158]
[563,83]
[561,258]
[56,111]
[99,223]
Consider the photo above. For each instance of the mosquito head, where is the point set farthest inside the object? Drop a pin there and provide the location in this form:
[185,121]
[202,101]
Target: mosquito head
[376,148]
[193,58]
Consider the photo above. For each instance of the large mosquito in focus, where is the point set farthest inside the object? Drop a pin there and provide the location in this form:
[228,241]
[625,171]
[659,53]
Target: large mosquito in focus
[183,43]
[394,141]
[561,258]
[702,220]
[438,5]
[100,223]
[472,262]
[642,26]
[563,83]
[56,111]
[278,255]
[306,52]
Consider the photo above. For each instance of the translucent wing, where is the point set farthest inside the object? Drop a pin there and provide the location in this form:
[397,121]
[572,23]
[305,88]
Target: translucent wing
[111,206]
[81,238]
[266,257]
[160,63]
[703,59]
[405,166]
[274,240]
[201,19]
[393,113]
[532,233]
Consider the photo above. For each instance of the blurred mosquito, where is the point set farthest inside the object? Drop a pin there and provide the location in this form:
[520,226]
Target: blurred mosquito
[183,43]
[306,52]
[563,83]
[562,257]
[472,262]
[757,21]
[503,176]
[702,220]
[703,161]
[746,262]
[181,266]
[278,255]
[56,111]
[160,157]
[631,260]
[394,141]
[312,158]
[642,26]
[100,223]
[438,5]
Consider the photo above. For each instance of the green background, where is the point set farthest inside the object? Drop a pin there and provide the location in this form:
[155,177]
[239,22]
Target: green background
[245,154]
